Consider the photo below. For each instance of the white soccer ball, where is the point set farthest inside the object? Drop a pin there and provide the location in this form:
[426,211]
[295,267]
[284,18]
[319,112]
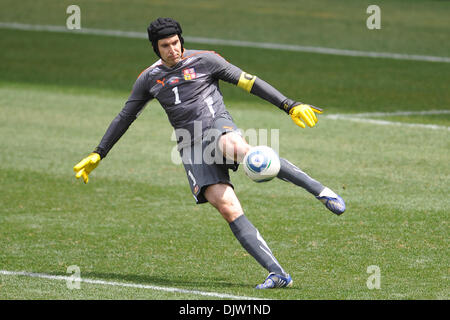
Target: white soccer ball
[261,163]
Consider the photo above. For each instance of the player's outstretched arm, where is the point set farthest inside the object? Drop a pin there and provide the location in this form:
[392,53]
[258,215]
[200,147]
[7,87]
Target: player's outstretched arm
[133,107]
[116,129]
[300,113]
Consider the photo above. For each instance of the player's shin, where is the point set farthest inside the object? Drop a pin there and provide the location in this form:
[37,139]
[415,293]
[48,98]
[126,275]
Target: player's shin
[255,245]
[289,172]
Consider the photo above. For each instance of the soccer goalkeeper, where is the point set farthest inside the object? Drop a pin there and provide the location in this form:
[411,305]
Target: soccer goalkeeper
[186,84]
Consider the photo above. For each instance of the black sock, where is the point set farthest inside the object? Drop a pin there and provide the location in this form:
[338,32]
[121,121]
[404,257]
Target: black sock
[252,241]
[289,172]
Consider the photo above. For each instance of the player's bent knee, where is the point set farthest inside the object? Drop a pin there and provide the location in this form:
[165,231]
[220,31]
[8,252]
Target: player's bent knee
[229,209]
[230,212]
[223,198]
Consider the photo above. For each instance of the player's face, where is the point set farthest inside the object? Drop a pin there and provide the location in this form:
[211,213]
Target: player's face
[170,50]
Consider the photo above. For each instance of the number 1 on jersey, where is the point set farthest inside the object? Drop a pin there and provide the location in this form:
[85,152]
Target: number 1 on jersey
[209,102]
[177,96]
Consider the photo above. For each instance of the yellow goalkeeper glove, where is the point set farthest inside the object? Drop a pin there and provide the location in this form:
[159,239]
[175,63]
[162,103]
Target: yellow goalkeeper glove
[85,166]
[306,113]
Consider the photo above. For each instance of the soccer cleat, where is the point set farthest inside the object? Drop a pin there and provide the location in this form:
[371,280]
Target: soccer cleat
[275,281]
[332,201]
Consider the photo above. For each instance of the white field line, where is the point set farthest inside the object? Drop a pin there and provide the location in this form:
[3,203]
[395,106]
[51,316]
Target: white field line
[122,284]
[390,123]
[236,43]
[365,118]
[399,113]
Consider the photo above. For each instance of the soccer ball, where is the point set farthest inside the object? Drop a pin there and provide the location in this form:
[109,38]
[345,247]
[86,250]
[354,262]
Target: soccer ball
[261,163]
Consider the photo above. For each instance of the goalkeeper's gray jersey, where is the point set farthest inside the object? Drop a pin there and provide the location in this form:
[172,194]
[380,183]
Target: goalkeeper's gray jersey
[188,92]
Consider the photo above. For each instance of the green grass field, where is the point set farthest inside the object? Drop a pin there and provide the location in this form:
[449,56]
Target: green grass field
[136,221]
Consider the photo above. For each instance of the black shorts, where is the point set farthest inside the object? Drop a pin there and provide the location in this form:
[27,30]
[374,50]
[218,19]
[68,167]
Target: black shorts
[203,161]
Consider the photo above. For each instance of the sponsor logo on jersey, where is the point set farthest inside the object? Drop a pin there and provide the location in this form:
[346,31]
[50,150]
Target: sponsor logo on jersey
[161,81]
[189,74]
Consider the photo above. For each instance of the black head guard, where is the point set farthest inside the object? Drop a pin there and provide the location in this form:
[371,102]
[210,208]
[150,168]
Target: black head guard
[162,28]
